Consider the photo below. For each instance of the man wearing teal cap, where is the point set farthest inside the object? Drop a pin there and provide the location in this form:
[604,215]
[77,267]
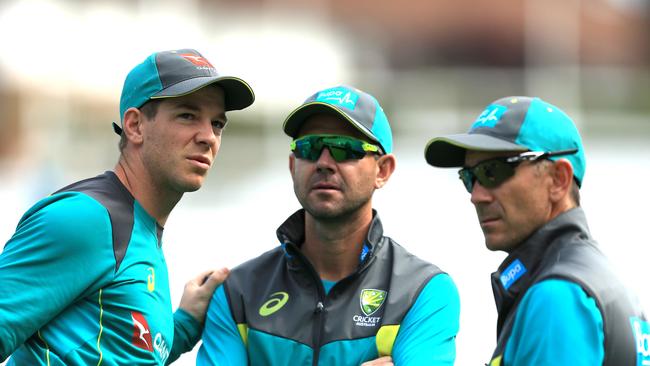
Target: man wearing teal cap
[83,281]
[336,291]
[558,301]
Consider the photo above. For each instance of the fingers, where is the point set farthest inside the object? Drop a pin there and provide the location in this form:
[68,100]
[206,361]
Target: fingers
[211,279]
[382,361]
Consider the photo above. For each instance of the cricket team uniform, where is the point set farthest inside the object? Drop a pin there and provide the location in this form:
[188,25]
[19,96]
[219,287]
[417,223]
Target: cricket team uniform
[275,309]
[83,281]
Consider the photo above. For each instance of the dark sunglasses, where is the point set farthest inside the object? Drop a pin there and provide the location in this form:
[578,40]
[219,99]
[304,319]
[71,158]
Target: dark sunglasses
[341,148]
[493,172]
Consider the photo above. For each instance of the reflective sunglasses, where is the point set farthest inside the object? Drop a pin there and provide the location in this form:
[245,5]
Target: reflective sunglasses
[493,172]
[341,148]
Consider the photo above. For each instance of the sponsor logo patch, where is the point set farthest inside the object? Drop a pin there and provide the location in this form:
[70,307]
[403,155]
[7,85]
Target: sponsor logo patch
[275,303]
[512,273]
[490,116]
[197,60]
[141,334]
[641,330]
[339,97]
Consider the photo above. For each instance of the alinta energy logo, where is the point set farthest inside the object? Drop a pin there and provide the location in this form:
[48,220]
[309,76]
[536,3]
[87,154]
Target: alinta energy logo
[141,334]
[370,300]
[275,303]
[197,60]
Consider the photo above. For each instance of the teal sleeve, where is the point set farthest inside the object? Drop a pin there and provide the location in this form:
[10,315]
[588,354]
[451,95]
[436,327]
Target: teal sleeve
[557,323]
[222,344]
[187,333]
[427,335]
[60,252]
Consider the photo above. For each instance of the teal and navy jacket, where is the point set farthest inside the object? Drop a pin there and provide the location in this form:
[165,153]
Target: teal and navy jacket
[83,281]
[275,309]
[560,303]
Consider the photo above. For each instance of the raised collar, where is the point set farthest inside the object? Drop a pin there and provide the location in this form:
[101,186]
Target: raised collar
[519,269]
[291,235]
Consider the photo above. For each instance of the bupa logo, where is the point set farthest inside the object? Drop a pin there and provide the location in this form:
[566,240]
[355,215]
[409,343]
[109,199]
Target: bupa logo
[490,116]
[275,303]
[512,273]
[197,60]
[141,334]
[339,97]
[641,330]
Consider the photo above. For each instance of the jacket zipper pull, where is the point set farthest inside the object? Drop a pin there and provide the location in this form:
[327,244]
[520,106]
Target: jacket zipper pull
[319,307]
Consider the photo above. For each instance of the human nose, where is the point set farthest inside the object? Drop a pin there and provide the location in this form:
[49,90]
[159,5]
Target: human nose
[480,194]
[207,134]
[325,160]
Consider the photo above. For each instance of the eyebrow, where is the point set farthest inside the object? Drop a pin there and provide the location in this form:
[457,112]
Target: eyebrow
[193,107]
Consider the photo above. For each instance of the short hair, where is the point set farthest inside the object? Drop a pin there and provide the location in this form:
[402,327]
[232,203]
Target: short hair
[574,192]
[149,110]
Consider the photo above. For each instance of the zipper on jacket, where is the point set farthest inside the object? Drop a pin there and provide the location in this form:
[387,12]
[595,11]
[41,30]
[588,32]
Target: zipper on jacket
[319,309]
[319,313]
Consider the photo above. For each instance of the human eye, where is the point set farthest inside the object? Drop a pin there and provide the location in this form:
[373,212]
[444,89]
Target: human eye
[187,116]
[218,124]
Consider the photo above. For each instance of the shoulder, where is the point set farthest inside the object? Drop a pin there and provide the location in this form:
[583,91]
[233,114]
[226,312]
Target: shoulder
[558,303]
[69,214]
[405,262]
[258,267]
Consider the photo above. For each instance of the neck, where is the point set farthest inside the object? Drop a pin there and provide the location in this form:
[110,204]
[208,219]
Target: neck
[333,247]
[560,207]
[146,190]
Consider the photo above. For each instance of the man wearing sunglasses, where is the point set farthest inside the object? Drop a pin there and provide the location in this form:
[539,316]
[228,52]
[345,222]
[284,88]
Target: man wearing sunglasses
[558,302]
[336,291]
[83,281]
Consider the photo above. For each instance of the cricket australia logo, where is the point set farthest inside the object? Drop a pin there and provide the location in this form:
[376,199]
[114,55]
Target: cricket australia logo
[370,301]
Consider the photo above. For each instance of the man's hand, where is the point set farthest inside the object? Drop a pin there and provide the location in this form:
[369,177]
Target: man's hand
[382,361]
[198,292]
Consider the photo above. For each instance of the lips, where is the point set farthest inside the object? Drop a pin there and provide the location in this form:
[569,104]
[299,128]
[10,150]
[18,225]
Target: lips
[200,160]
[325,186]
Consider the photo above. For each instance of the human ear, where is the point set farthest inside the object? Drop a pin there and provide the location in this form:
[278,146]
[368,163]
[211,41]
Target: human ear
[132,126]
[562,178]
[385,166]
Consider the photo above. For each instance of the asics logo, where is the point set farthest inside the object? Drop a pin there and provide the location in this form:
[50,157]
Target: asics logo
[275,303]
[151,279]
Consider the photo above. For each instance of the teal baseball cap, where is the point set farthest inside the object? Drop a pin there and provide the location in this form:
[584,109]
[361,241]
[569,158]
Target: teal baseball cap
[359,108]
[175,73]
[515,124]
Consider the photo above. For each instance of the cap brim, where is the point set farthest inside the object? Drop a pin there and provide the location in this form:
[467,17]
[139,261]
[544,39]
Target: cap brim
[295,120]
[238,94]
[449,151]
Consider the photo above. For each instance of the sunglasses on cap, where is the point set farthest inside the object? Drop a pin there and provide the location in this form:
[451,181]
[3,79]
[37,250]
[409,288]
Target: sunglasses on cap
[341,148]
[493,172]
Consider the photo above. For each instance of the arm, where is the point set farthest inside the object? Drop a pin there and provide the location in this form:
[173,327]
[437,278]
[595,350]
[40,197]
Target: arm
[188,319]
[56,241]
[557,323]
[427,335]
[222,342]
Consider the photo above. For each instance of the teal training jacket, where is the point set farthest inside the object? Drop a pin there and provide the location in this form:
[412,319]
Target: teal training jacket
[83,281]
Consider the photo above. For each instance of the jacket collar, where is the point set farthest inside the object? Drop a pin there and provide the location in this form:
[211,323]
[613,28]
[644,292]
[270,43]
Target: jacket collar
[291,235]
[518,270]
